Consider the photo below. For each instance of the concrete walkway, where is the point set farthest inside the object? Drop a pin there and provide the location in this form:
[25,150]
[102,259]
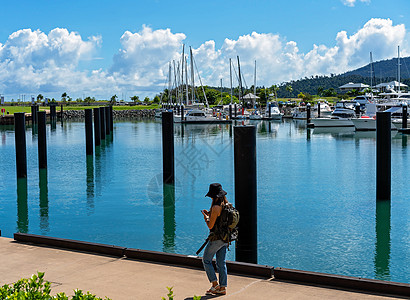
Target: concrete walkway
[120,278]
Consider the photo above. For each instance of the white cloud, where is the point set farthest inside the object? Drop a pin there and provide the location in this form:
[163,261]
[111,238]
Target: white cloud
[280,60]
[33,61]
[351,3]
[144,55]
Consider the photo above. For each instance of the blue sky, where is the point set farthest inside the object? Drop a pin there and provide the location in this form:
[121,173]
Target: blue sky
[101,48]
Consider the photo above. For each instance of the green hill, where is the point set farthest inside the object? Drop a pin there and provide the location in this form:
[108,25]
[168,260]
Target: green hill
[384,71]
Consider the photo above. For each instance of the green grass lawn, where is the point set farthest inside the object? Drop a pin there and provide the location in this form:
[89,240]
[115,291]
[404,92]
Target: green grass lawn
[15,109]
[27,109]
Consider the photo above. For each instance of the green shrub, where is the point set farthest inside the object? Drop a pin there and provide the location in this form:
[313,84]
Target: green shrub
[171,295]
[36,288]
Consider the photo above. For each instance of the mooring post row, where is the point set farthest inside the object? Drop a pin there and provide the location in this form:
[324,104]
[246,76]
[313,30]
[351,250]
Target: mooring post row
[168,162]
[97,126]
[246,192]
[42,139]
[89,131]
[20,144]
[107,120]
[102,122]
[383,156]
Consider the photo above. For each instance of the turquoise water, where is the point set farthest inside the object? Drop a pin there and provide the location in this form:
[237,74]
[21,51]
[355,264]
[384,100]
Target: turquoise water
[316,194]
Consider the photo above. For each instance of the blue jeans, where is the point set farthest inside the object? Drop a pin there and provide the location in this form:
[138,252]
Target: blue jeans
[217,247]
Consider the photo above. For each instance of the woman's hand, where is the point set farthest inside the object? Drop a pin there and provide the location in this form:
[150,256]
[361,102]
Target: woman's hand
[206,215]
[215,212]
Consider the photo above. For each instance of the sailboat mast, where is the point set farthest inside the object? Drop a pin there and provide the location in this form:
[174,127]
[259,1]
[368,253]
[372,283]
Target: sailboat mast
[371,74]
[169,83]
[221,92]
[192,75]
[240,82]
[182,73]
[254,83]
[175,80]
[186,81]
[398,66]
[230,76]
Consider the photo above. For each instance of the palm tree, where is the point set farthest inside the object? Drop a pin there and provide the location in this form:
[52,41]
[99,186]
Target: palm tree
[275,90]
[113,99]
[64,97]
[135,99]
[289,89]
[39,98]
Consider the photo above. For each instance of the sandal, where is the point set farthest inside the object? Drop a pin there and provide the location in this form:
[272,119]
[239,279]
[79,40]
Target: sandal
[220,291]
[213,290]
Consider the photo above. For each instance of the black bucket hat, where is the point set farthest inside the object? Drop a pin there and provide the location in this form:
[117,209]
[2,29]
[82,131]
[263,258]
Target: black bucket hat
[215,191]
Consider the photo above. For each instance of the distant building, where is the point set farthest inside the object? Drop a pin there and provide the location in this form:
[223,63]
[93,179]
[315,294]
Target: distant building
[353,86]
[390,86]
[250,98]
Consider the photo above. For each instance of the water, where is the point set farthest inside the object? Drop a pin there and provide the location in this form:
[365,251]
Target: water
[316,194]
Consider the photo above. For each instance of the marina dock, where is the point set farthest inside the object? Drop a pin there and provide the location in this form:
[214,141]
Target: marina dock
[123,278]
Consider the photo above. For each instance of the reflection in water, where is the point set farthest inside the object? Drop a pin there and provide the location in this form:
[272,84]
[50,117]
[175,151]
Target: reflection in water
[3,138]
[169,218]
[308,134]
[53,124]
[90,183]
[44,225]
[382,253]
[22,208]
[98,182]
[34,129]
[404,141]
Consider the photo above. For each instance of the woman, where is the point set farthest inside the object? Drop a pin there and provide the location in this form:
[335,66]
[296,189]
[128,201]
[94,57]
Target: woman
[215,245]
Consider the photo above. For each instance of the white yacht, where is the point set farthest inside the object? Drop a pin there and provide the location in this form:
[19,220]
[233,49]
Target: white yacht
[275,114]
[325,109]
[341,117]
[255,115]
[299,113]
[198,116]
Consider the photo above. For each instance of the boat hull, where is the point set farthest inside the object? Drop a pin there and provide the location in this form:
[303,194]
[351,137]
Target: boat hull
[363,124]
[326,122]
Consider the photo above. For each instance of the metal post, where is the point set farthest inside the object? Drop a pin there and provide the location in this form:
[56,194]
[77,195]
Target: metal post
[97,127]
[318,109]
[53,112]
[111,119]
[230,111]
[357,109]
[269,112]
[236,111]
[88,131]
[102,122]
[107,120]
[308,114]
[42,140]
[33,114]
[20,144]
[404,115]
[168,147]
[383,156]
[245,192]
[61,112]
[182,113]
